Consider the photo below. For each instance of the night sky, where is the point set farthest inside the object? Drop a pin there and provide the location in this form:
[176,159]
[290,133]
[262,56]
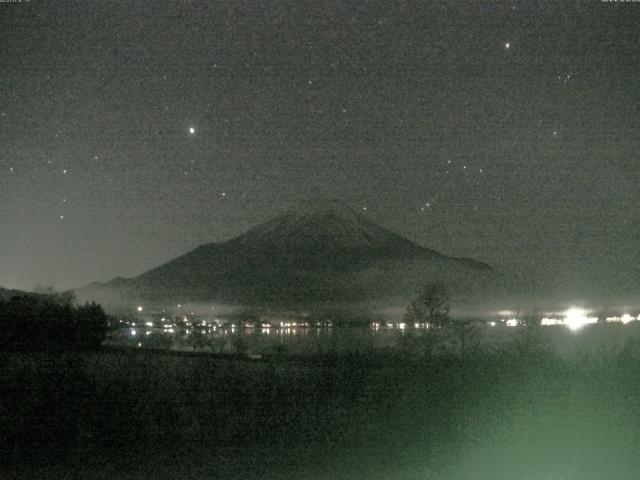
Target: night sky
[132,132]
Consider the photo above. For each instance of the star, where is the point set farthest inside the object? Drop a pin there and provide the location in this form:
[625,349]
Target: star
[507,45]
[192,130]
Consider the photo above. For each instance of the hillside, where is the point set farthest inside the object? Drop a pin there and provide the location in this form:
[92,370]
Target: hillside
[320,252]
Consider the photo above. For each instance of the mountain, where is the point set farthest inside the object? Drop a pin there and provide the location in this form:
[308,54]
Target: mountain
[319,253]
[8,294]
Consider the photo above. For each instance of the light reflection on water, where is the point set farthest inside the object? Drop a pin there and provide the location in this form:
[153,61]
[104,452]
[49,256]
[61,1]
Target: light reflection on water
[309,340]
[312,340]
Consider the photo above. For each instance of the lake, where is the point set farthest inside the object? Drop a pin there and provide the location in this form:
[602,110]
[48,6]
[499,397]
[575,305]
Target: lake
[597,339]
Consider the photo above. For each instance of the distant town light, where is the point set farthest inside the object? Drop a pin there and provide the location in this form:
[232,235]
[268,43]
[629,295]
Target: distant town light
[626,318]
[546,321]
[512,322]
[576,318]
[140,308]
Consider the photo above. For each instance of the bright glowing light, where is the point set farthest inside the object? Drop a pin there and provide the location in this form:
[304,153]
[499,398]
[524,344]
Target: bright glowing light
[133,332]
[192,130]
[512,322]
[576,318]
[507,45]
[492,324]
[626,318]
[546,321]
[149,324]
[140,308]
[402,326]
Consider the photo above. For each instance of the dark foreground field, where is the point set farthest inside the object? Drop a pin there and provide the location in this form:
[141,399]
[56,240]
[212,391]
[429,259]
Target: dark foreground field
[516,413]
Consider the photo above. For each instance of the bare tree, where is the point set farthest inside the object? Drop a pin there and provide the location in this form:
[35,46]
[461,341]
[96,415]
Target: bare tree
[431,305]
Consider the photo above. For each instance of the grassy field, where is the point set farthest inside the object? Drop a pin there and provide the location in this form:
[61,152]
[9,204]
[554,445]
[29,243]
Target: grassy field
[515,413]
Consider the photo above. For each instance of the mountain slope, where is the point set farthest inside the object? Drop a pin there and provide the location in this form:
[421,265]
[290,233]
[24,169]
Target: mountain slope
[320,252]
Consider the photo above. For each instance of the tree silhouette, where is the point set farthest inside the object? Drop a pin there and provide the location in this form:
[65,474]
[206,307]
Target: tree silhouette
[51,322]
[431,305]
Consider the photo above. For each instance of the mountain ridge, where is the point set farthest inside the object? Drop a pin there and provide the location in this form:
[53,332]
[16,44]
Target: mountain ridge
[317,252]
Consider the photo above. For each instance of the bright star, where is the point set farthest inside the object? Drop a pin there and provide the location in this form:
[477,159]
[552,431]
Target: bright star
[507,45]
[192,130]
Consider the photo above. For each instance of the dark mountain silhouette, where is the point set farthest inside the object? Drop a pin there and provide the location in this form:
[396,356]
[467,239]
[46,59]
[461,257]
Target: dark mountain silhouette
[8,294]
[320,252]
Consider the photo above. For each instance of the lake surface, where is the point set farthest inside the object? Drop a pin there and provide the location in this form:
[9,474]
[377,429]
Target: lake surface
[599,339]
